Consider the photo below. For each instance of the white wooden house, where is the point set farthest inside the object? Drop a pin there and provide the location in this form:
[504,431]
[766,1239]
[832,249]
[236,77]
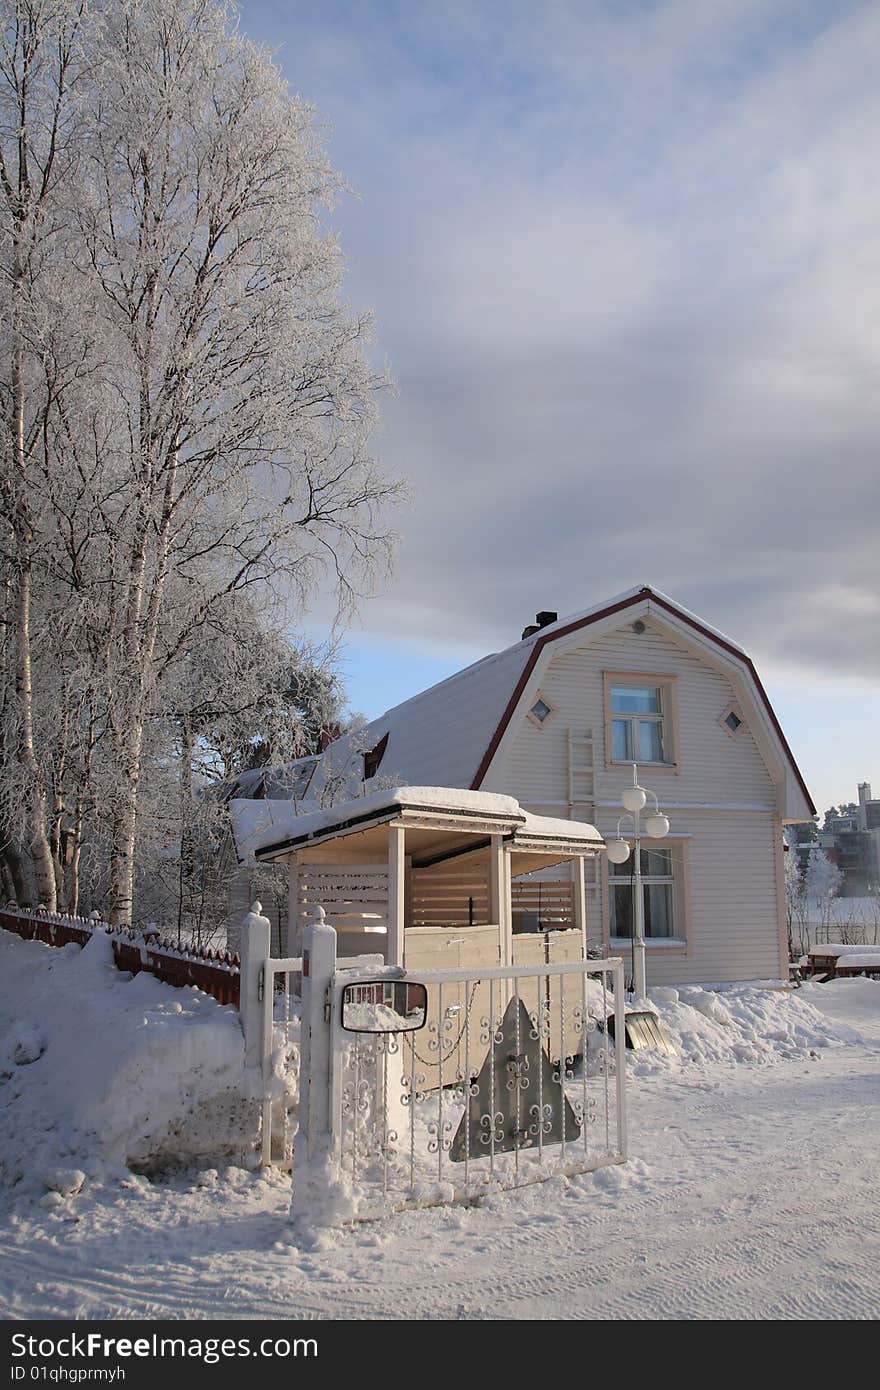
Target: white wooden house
[556,721]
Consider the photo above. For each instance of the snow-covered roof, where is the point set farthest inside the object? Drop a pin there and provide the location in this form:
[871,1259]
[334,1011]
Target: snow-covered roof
[438,736]
[252,821]
[444,734]
[541,828]
[286,823]
[448,734]
[260,826]
[278,783]
[622,600]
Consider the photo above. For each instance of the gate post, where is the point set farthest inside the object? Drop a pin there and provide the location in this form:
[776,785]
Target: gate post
[255,939]
[313,1157]
[319,966]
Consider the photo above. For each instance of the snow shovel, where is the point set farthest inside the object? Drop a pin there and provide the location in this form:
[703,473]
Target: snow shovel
[642,1028]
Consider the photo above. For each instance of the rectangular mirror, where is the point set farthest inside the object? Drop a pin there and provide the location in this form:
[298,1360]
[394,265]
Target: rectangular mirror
[384,1006]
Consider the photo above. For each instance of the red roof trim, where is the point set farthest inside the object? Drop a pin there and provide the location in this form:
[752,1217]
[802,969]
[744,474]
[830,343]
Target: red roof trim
[644,593]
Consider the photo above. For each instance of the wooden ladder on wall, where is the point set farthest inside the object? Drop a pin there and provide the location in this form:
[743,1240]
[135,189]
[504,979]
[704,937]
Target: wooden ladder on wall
[582,806]
[581,775]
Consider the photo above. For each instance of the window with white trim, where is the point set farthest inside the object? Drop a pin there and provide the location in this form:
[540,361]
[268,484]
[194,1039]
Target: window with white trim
[641,725]
[661,883]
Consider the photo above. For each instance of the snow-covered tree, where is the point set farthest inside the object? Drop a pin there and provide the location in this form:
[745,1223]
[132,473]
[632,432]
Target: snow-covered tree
[823,879]
[822,882]
[186,425]
[796,904]
[40,66]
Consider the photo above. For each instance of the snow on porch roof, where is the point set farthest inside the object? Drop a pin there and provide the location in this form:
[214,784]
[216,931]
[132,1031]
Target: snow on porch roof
[278,828]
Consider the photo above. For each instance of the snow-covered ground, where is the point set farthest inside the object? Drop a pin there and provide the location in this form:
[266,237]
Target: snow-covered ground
[749,1192]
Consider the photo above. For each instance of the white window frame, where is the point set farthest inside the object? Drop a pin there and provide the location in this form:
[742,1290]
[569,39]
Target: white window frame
[677,880]
[667,718]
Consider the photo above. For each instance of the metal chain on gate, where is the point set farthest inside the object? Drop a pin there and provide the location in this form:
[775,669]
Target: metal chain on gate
[430,1061]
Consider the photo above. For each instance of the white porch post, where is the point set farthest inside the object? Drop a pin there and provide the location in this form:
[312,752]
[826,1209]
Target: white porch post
[294,926]
[507,911]
[396,892]
[499,898]
[580,900]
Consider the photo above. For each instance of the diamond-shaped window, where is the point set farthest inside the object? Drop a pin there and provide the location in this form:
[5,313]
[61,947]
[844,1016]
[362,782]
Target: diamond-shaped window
[541,711]
[733,721]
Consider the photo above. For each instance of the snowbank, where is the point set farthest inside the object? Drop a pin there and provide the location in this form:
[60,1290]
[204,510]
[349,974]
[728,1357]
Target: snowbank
[753,1025]
[98,1070]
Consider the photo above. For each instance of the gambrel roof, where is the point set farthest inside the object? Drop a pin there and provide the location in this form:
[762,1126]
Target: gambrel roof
[450,734]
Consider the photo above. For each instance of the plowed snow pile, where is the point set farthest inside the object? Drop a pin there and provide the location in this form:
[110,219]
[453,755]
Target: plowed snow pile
[753,1024]
[99,1070]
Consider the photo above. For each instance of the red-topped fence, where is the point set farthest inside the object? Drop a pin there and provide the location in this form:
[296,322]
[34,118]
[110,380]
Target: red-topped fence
[218,973]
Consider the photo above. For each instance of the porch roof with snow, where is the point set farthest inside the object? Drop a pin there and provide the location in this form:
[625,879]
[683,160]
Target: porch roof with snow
[432,814]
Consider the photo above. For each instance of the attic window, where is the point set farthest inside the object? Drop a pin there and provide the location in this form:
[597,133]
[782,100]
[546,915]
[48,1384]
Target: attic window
[541,711]
[731,721]
[373,758]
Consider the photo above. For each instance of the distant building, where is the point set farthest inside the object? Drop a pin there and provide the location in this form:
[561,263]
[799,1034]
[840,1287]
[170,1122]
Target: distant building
[851,839]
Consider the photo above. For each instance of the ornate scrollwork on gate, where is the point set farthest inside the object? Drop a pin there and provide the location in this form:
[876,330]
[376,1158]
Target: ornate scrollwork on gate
[517,1068]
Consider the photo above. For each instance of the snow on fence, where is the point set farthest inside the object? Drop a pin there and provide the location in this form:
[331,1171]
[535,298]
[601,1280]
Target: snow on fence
[218,973]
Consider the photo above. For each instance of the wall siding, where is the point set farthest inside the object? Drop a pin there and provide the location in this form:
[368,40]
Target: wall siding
[731,890]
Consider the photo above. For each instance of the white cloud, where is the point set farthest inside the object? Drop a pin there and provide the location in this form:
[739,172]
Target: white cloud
[625,261]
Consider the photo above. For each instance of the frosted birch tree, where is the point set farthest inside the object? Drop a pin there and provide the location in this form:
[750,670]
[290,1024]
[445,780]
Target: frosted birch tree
[187,399]
[40,62]
[241,378]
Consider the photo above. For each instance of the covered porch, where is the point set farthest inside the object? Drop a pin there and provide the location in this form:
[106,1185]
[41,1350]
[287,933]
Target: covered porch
[423,876]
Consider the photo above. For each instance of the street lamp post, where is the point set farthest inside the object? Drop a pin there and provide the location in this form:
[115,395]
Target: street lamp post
[656,825]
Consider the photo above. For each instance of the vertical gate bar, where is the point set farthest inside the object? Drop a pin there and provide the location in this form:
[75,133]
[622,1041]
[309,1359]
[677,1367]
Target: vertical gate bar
[336,1106]
[516,1081]
[584,1039]
[412,1114]
[467,1085]
[492,1077]
[607,1062]
[440,1084]
[620,1058]
[356,1107]
[561,979]
[539,1024]
[385,1057]
[266,1062]
[286,1129]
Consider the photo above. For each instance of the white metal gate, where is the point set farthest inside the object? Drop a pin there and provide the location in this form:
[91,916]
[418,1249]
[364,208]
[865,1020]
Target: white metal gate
[513,1078]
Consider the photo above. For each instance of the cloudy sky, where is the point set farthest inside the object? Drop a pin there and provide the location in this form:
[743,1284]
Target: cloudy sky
[625,265]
